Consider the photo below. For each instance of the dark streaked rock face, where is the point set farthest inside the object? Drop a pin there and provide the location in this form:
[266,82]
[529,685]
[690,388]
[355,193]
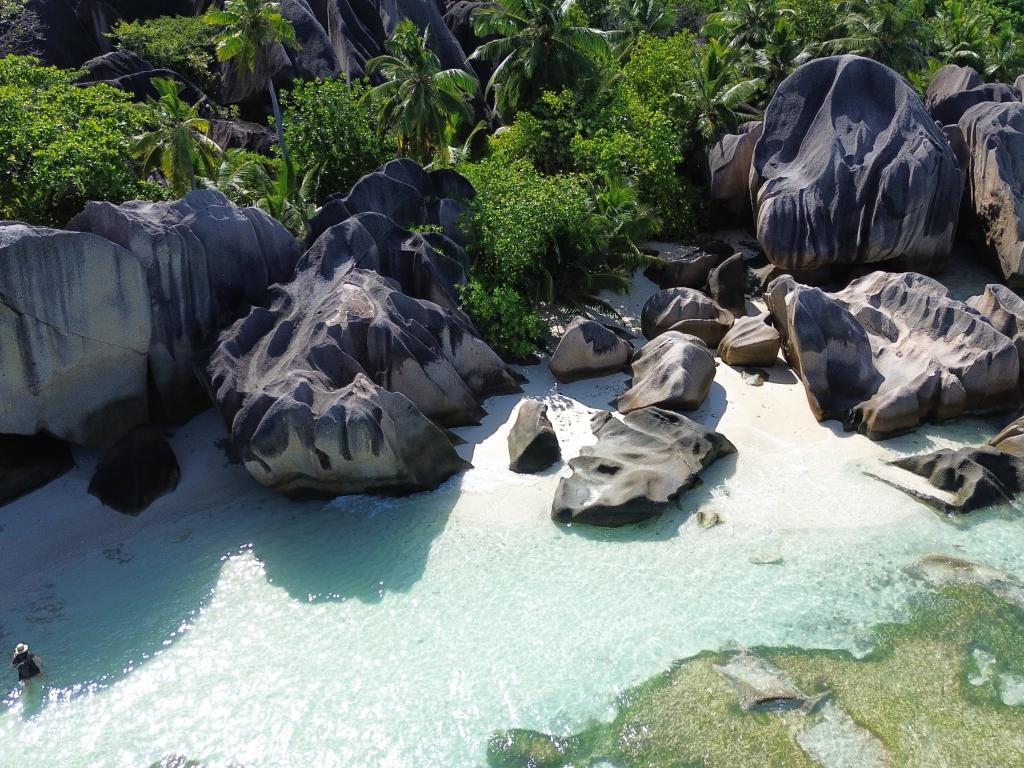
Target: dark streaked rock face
[750,341]
[972,477]
[638,465]
[75,332]
[950,109]
[532,443]
[672,371]
[851,169]
[727,284]
[729,166]
[136,471]
[686,266]
[588,349]
[687,311]
[994,134]
[1004,309]
[28,462]
[949,80]
[206,262]
[891,351]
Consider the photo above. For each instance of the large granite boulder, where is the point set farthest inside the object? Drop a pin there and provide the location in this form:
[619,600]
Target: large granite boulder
[532,442]
[672,371]
[75,330]
[637,466]
[994,134]
[337,385]
[729,167]
[949,80]
[134,75]
[968,478]
[750,341]
[727,285]
[687,311]
[588,349]
[949,110]
[241,134]
[686,266]
[851,169]
[355,30]
[891,351]
[1004,309]
[136,471]
[206,262]
[1010,438]
[28,462]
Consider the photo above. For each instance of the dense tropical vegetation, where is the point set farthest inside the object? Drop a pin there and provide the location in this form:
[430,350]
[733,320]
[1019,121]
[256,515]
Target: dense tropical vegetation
[587,136]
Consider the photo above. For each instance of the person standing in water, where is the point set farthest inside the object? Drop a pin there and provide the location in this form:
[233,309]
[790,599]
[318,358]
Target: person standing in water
[28,664]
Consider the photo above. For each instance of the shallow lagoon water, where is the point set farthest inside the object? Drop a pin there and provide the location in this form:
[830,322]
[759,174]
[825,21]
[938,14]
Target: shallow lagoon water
[233,626]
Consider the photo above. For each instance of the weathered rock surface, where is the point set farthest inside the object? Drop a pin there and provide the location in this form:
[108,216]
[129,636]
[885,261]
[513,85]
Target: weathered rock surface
[750,341]
[672,371]
[206,262]
[588,349]
[687,311]
[972,477]
[28,462]
[134,75]
[949,80]
[729,164]
[532,443]
[949,110]
[941,570]
[851,169]
[240,134]
[136,471]
[1004,309]
[891,351]
[727,284]
[994,134]
[638,465]
[759,685]
[75,331]
[685,266]
[336,386]
[1010,438]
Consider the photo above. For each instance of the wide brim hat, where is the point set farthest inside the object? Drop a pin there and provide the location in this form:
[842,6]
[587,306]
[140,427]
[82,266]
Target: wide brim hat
[20,648]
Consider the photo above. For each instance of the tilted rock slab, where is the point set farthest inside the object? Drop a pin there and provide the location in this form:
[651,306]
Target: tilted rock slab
[750,341]
[994,134]
[75,332]
[972,478]
[588,349]
[336,387]
[636,468]
[891,351]
[851,169]
[672,371]
[206,262]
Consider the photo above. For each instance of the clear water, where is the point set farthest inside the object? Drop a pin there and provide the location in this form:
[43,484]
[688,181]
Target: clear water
[238,627]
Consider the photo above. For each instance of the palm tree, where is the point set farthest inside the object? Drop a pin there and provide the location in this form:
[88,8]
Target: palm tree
[960,34]
[718,91]
[178,143]
[1004,55]
[422,103]
[270,184]
[633,18]
[247,29]
[880,30]
[744,23]
[781,53]
[539,47]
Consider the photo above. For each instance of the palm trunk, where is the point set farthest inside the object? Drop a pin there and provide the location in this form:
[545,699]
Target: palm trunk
[278,123]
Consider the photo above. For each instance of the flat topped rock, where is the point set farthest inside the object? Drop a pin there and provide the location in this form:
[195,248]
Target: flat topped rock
[636,467]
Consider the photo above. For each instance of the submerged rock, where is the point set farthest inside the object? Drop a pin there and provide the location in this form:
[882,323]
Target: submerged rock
[532,443]
[136,471]
[851,169]
[941,570]
[206,262]
[972,477]
[994,134]
[28,462]
[750,341]
[588,349]
[638,465]
[75,332]
[759,685]
[673,371]
[685,310]
[891,351]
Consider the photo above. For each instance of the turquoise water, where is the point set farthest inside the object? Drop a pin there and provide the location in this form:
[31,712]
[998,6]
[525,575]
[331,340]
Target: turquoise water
[233,626]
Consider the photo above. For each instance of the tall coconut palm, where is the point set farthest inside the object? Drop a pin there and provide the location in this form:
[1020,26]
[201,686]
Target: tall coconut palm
[633,18]
[178,142]
[718,91]
[420,102]
[248,28]
[881,30]
[539,46]
[743,23]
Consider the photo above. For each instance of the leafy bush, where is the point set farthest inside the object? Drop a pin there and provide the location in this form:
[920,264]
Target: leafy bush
[180,43]
[62,145]
[656,75]
[507,319]
[327,126]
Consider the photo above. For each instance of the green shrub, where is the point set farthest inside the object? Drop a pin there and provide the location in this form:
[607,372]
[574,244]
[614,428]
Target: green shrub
[327,126]
[506,319]
[656,75]
[180,43]
[62,145]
